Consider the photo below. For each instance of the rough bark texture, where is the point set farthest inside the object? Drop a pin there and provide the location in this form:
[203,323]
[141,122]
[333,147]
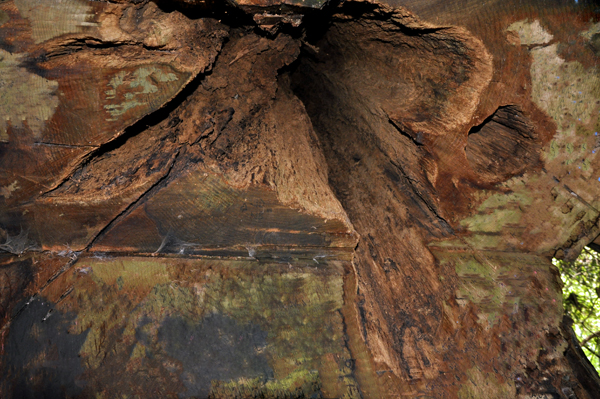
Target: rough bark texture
[285,199]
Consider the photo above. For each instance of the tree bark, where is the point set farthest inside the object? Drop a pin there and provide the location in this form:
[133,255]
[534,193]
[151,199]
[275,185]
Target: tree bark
[282,198]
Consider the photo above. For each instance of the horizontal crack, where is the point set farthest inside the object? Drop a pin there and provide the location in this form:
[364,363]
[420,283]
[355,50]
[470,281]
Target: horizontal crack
[76,254]
[151,119]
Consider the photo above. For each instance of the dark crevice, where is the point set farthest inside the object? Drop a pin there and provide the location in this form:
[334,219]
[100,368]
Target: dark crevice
[162,182]
[350,363]
[503,145]
[63,145]
[594,247]
[409,186]
[362,314]
[509,116]
[416,138]
[476,129]
[315,70]
[32,62]
[317,23]
[223,11]
[74,255]
[150,120]
[91,43]
[421,199]
[237,18]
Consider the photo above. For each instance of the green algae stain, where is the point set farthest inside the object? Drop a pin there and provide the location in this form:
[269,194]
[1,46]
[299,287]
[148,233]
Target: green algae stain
[580,130]
[274,300]
[131,275]
[4,18]
[498,211]
[500,283]
[501,200]
[52,18]
[101,319]
[589,34]
[479,285]
[530,32]
[485,385]
[566,91]
[24,97]
[7,191]
[472,266]
[553,151]
[586,165]
[298,384]
[136,89]
[301,313]
[492,222]
[116,283]
[485,279]
[117,80]
[167,299]
[479,241]
[484,241]
[144,76]
[129,306]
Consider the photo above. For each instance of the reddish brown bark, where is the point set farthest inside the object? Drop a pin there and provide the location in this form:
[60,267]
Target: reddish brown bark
[295,199]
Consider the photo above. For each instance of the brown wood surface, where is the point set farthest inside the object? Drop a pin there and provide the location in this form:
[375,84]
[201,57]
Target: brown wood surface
[290,199]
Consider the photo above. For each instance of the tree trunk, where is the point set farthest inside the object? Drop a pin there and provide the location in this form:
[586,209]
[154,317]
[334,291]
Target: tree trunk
[285,198]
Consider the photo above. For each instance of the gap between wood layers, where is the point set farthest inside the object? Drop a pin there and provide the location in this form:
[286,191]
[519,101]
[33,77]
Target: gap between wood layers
[359,139]
[413,186]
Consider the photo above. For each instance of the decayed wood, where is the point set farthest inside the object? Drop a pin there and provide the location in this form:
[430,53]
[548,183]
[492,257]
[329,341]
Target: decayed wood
[294,198]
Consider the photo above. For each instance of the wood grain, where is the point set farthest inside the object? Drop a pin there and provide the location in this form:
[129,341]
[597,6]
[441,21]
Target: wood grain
[294,199]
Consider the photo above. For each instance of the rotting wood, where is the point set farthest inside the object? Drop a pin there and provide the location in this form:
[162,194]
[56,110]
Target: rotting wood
[295,198]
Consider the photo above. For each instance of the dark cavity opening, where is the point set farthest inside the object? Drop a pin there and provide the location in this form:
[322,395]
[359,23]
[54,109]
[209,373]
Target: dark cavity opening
[364,76]
[503,145]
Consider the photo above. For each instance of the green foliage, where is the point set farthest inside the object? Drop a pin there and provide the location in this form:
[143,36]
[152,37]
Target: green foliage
[581,299]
